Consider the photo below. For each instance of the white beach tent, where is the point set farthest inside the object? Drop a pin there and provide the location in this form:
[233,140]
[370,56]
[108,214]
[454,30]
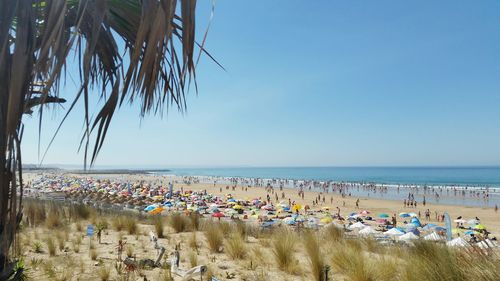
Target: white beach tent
[408,236]
[357,225]
[457,242]
[433,237]
[394,232]
[367,231]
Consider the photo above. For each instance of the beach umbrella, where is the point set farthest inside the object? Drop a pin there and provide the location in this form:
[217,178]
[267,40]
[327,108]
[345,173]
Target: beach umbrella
[381,221]
[150,208]
[429,226]
[218,215]
[439,228]
[480,227]
[326,220]
[383,215]
[470,232]
[404,215]
[416,222]
[413,215]
[156,211]
[364,212]
[460,221]
[237,207]
[296,207]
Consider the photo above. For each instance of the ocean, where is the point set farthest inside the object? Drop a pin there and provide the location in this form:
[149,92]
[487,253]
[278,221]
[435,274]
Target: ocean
[442,179]
[437,176]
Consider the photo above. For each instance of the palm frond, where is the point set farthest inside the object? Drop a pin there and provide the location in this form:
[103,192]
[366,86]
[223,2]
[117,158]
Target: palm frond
[153,69]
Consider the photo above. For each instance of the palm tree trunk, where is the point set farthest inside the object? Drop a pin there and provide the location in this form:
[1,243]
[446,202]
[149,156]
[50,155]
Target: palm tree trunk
[8,203]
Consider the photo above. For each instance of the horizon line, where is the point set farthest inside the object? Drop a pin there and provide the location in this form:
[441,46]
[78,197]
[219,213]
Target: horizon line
[154,166]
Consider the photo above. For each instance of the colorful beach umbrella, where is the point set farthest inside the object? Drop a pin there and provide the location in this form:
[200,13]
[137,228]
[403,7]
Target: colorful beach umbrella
[296,207]
[480,227]
[218,215]
[156,211]
[383,215]
[150,208]
[326,220]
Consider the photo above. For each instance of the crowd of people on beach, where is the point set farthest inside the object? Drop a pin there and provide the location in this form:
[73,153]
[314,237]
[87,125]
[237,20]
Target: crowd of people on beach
[278,206]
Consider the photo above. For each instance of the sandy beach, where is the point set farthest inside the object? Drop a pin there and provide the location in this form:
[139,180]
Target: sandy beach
[256,258]
[347,204]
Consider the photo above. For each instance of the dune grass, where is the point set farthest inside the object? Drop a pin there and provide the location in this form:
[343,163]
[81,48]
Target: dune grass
[283,248]
[104,273]
[54,217]
[129,251]
[131,225]
[51,246]
[193,241]
[193,258]
[61,240]
[159,227]
[179,222]
[332,233]
[35,212]
[194,221]
[93,254]
[215,237]
[235,246]
[315,256]
[79,212]
[118,223]
[79,226]
[351,259]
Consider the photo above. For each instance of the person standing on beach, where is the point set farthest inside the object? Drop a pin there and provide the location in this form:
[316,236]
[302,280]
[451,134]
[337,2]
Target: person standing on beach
[496,208]
[357,203]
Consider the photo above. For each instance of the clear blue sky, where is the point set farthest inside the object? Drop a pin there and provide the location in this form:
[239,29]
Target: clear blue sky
[316,83]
